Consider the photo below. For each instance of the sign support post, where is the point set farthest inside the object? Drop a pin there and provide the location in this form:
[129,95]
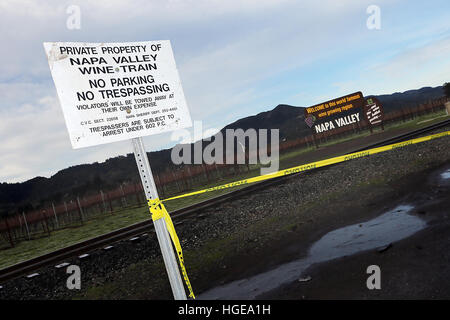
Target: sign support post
[145,172]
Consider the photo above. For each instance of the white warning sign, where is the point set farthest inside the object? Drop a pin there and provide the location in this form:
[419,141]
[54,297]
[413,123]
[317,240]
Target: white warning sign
[117,91]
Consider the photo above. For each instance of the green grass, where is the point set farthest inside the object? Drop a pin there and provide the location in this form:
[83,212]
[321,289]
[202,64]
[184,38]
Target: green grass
[420,122]
[68,236]
[109,222]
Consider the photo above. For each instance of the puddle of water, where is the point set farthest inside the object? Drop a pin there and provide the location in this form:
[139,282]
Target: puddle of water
[389,227]
[446,174]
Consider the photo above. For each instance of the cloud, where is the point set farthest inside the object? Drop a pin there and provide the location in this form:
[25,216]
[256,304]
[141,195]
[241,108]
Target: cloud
[415,59]
[31,132]
[414,67]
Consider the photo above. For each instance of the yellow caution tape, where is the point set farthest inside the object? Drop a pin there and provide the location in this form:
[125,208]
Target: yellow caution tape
[158,211]
[314,165]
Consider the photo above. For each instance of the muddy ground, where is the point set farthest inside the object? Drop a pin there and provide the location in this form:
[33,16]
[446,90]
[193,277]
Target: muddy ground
[414,268]
[417,267]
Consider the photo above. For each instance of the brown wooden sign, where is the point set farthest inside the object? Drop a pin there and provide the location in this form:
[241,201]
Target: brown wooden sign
[373,111]
[335,113]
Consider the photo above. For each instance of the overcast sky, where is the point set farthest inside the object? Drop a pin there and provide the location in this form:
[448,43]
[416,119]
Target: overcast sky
[235,59]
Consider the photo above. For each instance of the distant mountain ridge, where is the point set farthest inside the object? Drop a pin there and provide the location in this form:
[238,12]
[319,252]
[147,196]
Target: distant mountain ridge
[85,178]
[288,119]
[409,98]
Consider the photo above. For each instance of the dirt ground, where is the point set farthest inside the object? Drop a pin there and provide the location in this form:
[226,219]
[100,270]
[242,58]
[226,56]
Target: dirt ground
[414,268]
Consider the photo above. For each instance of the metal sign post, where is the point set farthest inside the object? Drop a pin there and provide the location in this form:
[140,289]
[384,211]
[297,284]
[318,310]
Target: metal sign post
[165,244]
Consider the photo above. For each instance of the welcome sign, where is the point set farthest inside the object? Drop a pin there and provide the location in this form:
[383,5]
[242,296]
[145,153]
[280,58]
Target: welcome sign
[335,113]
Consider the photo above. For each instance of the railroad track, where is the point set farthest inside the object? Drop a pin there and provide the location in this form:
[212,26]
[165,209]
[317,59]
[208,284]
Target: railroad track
[408,135]
[140,228]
